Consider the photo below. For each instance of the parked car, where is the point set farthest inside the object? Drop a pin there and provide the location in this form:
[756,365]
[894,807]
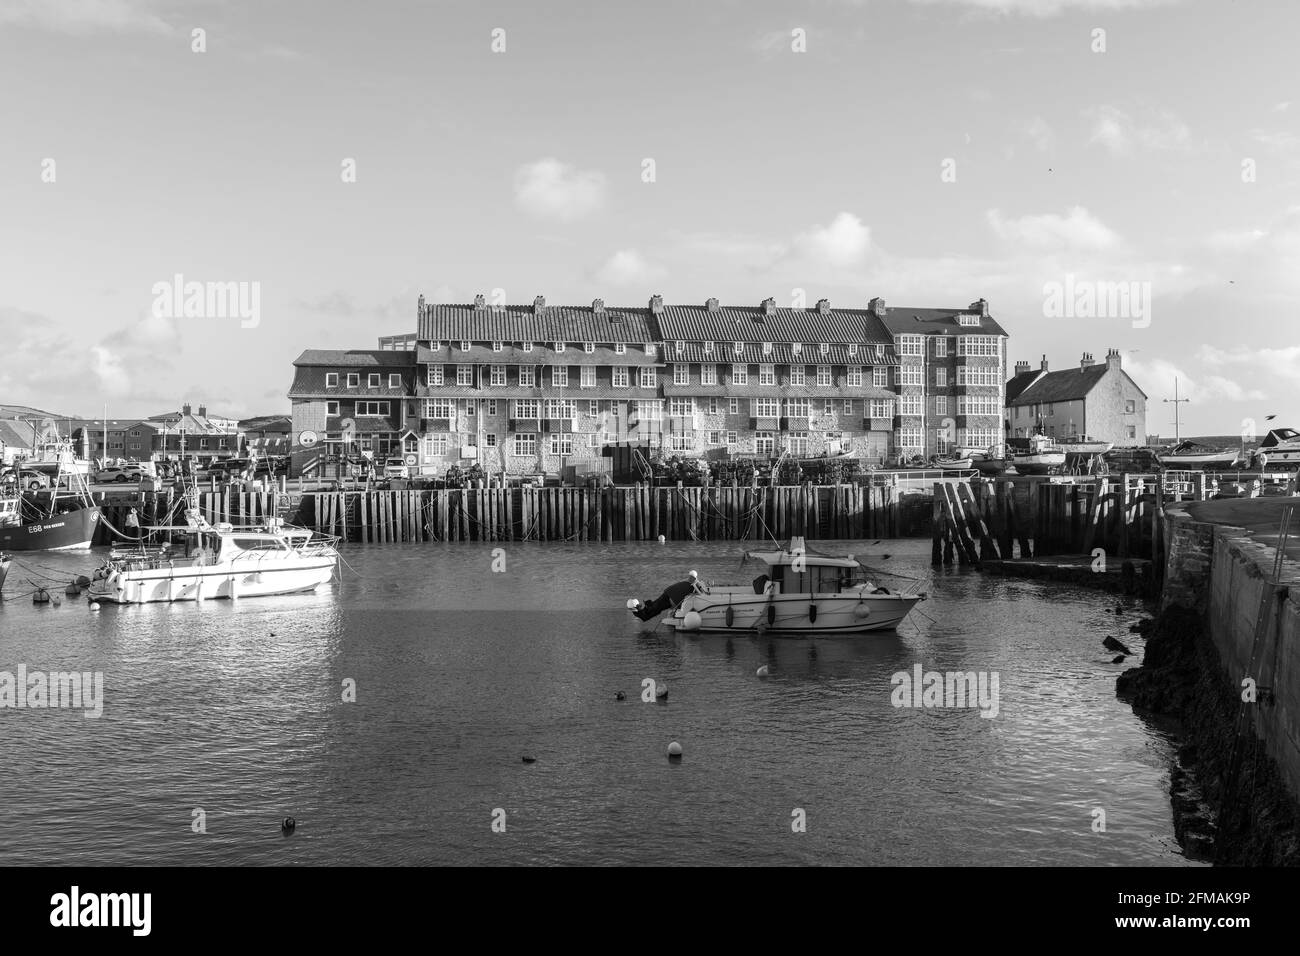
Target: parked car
[396,468]
[119,474]
[22,478]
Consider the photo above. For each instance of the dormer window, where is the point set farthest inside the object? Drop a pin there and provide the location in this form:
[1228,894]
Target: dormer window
[435,346]
[620,348]
[708,348]
[796,347]
[589,347]
[853,348]
[968,320]
[497,346]
[767,348]
[528,346]
[825,348]
[559,346]
[650,349]
[464,346]
[681,347]
[738,347]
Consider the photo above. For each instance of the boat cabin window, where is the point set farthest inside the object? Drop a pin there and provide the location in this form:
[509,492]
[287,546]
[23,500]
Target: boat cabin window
[257,544]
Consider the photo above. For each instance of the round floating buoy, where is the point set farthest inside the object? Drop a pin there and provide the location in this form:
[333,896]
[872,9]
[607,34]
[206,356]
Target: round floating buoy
[662,539]
[83,581]
[633,604]
[674,750]
[530,760]
[40,596]
[661,691]
[731,615]
[771,614]
[620,696]
[691,621]
[763,671]
[812,613]
[94,605]
[288,825]
[861,611]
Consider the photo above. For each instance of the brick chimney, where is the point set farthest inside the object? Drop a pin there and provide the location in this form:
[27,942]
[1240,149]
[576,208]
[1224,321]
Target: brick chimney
[203,411]
[185,409]
[1086,360]
[1043,365]
[539,304]
[419,308]
[598,305]
[656,304]
[480,301]
[877,305]
[981,306]
[712,305]
[769,306]
[1113,359]
[1022,368]
[824,306]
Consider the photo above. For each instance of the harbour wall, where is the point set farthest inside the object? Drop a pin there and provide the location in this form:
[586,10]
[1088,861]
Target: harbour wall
[1223,655]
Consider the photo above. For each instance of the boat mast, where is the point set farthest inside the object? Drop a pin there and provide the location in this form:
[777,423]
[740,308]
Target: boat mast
[1176,401]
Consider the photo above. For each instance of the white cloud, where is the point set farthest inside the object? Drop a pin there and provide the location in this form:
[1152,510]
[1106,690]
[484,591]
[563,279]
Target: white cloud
[1156,378]
[1122,133]
[629,267]
[1275,139]
[84,16]
[843,244]
[1048,8]
[551,189]
[1040,133]
[1078,229]
[1260,362]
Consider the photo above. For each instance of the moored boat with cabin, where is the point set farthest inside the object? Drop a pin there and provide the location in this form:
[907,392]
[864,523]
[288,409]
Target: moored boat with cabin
[800,592]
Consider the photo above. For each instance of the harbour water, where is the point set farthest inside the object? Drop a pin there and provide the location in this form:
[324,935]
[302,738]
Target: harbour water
[238,711]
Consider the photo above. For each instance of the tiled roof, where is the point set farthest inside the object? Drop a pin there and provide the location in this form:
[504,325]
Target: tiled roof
[542,354]
[1064,386]
[902,320]
[191,424]
[698,323]
[362,424]
[1018,383]
[275,423]
[519,323]
[630,393]
[780,391]
[782,353]
[309,380]
[355,358]
[15,434]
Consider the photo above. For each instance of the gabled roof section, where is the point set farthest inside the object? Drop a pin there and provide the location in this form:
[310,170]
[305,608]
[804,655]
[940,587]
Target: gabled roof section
[727,323]
[355,358]
[524,323]
[905,320]
[1067,385]
[1018,383]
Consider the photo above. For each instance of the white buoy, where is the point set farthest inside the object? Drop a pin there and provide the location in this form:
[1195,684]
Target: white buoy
[674,749]
[691,621]
[662,539]
[633,604]
[94,605]
[762,671]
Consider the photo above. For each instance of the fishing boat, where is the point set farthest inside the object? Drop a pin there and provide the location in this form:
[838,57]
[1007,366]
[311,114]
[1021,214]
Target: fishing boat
[987,461]
[1281,446]
[1192,454]
[1036,455]
[801,592]
[217,562]
[1081,446]
[953,464]
[63,518]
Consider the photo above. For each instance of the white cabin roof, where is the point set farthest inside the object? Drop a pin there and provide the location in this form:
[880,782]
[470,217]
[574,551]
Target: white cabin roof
[797,551]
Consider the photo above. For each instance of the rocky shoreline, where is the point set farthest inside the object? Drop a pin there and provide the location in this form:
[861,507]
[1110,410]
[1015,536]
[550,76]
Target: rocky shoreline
[1229,802]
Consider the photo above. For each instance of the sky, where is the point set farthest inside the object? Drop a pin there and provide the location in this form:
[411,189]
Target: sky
[339,159]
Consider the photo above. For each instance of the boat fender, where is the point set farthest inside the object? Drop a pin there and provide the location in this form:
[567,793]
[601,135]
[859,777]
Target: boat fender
[288,825]
[731,615]
[812,613]
[771,614]
[861,612]
[691,621]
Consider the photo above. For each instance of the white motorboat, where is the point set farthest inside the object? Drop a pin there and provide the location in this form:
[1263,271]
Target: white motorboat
[1081,446]
[801,591]
[220,562]
[1280,448]
[1036,455]
[1191,454]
